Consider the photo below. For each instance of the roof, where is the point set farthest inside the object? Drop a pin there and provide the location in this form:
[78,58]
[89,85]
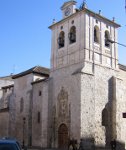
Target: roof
[40,80]
[91,13]
[4,110]
[122,67]
[7,78]
[35,70]
[8,86]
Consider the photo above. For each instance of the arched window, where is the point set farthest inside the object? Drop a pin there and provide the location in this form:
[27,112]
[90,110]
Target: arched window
[107,37]
[72,35]
[61,39]
[96,34]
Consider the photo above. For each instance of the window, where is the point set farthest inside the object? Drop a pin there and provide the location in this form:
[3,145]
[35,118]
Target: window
[107,37]
[104,117]
[96,34]
[61,40]
[96,21]
[61,27]
[21,105]
[38,119]
[72,22]
[40,93]
[72,35]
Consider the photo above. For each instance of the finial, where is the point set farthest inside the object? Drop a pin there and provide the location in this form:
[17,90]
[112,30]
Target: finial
[99,12]
[54,21]
[113,19]
[83,5]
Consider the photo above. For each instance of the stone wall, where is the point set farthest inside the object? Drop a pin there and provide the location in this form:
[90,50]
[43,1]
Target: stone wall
[97,93]
[40,114]
[4,124]
[66,109]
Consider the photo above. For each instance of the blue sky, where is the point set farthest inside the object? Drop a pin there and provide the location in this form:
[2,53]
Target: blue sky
[25,40]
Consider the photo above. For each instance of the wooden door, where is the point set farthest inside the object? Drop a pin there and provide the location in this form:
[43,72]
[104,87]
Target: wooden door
[63,136]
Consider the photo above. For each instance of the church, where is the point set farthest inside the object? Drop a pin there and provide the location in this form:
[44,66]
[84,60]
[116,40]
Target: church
[80,99]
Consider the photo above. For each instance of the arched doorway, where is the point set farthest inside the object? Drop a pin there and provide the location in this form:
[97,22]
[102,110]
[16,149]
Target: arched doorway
[63,136]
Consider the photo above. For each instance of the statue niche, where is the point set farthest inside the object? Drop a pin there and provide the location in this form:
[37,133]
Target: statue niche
[63,103]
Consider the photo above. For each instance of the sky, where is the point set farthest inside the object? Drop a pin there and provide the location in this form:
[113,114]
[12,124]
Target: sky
[25,39]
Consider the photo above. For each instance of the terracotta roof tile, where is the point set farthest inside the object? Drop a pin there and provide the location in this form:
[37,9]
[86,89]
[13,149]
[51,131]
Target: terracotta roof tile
[35,70]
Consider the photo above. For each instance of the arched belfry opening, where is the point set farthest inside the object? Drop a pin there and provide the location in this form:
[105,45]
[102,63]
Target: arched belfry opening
[63,136]
[61,39]
[107,38]
[96,34]
[72,35]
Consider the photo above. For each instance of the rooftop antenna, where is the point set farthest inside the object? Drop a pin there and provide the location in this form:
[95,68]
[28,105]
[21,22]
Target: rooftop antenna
[125,7]
[14,68]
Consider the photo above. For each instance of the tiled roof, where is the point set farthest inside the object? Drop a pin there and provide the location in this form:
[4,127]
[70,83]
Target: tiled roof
[122,67]
[7,78]
[8,86]
[40,80]
[88,11]
[35,70]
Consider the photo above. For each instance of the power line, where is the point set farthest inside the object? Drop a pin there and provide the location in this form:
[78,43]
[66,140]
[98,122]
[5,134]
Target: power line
[111,41]
[125,6]
[125,3]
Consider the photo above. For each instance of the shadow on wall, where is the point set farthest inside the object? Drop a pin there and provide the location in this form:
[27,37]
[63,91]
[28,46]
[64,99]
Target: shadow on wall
[120,146]
[89,144]
[109,118]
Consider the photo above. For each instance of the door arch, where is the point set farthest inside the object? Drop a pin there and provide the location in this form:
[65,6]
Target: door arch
[63,136]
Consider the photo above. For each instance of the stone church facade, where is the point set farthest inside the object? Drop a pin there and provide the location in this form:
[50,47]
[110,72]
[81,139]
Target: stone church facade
[81,98]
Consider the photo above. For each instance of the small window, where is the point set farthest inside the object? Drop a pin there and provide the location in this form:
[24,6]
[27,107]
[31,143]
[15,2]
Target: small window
[21,105]
[72,35]
[72,22]
[61,27]
[40,93]
[104,117]
[61,39]
[38,117]
[96,34]
[107,37]
[96,21]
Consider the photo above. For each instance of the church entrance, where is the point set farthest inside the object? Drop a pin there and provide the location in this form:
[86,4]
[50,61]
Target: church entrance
[63,136]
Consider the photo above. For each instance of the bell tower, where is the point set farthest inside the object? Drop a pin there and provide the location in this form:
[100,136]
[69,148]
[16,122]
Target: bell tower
[82,62]
[68,8]
[82,37]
